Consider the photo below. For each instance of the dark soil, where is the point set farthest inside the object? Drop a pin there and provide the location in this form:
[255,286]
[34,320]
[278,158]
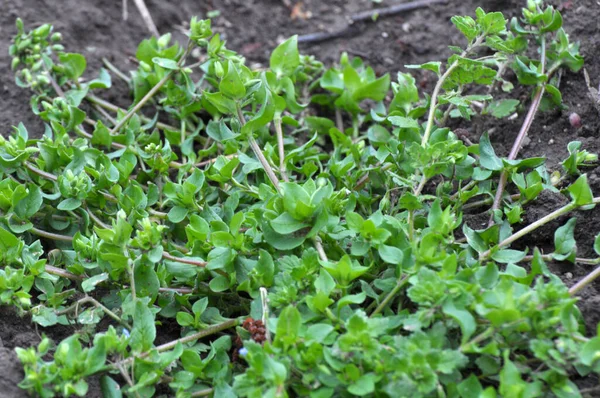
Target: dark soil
[253,27]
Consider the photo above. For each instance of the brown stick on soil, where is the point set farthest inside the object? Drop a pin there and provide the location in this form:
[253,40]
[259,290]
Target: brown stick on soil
[364,16]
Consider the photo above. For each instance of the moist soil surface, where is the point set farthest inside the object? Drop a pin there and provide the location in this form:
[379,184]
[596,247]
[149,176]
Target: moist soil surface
[253,28]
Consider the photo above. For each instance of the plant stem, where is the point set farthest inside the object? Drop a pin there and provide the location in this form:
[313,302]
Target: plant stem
[579,260]
[115,70]
[150,93]
[438,87]
[279,131]
[96,303]
[203,393]
[62,273]
[531,227]
[210,161]
[190,261]
[258,152]
[111,107]
[41,173]
[196,336]
[320,250]
[391,294]
[364,179]
[480,337]
[589,278]
[533,108]
[50,235]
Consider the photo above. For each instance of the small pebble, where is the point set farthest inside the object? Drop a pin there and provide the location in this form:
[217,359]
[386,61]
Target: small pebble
[385,35]
[575,120]
[569,275]
[526,142]
[551,141]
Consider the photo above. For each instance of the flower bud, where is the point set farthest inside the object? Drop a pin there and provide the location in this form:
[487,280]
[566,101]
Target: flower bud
[56,37]
[218,69]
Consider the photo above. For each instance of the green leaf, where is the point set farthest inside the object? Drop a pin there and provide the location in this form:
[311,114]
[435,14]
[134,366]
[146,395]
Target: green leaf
[466,25]
[465,319]
[390,254]
[109,387]
[564,242]
[177,214]
[285,58]
[231,85]
[470,387]
[165,63]
[286,224]
[74,64]
[365,385]
[488,158]
[219,131]
[288,326]
[503,108]
[404,122]
[31,203]
[222,103]
[433,66]
[90,283]
[508,256]
[69,204]
[144,329]
[590,352]
[219,284]
[580,191]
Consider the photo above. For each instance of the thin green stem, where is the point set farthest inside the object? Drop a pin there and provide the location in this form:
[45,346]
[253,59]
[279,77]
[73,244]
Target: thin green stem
[589,278]
[391,294]
[279,132]
[258,152]
[533,108]
[438,87]
[150,93]
[96,303]
[50,235]
[116,70]
[531,227]
[192,337]
[480,337]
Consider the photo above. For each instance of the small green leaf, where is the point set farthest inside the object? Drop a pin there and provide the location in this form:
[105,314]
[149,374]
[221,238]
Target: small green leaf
[285,58]
[231,85]
[31,203]
[503,108]
[390,254]
[74,64]
[90,283]
[433,66]
[488,158]
[580,191]
[165,63]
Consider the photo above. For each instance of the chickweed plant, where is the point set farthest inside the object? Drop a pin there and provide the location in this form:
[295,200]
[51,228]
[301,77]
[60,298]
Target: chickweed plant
[295,230]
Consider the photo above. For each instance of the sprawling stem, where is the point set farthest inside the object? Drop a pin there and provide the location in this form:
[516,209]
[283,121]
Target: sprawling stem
[150,93]
[533,226]
[96,303]
[589,278]
[192,337]
[438,87]
[279,131]
[258,152]
[391,294]
[533,108]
